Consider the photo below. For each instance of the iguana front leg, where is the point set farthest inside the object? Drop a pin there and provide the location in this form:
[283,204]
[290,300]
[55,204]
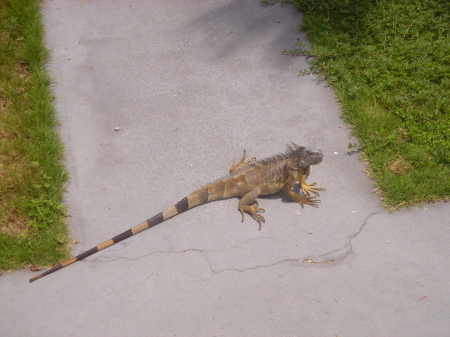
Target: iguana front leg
[249,194]
[307,188]
[242,162]
[301,199]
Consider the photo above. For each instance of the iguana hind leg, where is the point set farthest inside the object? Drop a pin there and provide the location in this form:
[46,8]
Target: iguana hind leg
[242,162]
[252,210]
[245,204]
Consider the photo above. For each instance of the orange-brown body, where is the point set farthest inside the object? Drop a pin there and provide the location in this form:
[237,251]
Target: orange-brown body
[248,180]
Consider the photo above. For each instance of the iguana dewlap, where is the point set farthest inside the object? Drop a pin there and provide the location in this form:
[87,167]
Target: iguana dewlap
[248,179]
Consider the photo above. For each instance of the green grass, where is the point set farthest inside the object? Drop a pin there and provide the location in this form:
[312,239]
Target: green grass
[389,63]
[32,227]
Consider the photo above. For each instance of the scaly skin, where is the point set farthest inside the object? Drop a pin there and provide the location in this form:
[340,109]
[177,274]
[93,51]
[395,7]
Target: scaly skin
[248,179]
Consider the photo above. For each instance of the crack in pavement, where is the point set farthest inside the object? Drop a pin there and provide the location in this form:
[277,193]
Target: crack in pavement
[184,251]
[347,248]
[326,258]
[337,256]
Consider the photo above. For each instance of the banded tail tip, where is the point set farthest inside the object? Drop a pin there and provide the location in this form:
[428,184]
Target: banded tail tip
[45,273]
[36,277]
[55,268]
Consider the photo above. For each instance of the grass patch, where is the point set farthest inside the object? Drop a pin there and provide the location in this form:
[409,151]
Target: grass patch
[389,63]
[32,227]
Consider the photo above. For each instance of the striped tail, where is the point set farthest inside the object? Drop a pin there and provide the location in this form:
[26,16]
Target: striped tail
[180,207]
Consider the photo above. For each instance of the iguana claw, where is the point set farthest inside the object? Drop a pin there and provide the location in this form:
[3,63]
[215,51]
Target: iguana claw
[307,188]
[242,162]
[252,210]
[302,200]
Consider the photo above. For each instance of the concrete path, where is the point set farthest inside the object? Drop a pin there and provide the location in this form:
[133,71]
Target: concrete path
[191,84]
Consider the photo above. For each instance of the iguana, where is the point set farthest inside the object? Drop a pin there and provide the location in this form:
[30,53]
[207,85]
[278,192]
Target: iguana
[248,179]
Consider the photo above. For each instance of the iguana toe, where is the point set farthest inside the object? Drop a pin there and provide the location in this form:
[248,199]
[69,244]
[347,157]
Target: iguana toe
[302,200]
[252,210]
[242,162]
[308,188]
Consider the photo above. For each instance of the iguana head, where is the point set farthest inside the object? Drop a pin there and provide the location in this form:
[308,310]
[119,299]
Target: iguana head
[312,156]
[302,157]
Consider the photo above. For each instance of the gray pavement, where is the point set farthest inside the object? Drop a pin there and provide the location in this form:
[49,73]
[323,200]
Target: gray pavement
[191,84]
